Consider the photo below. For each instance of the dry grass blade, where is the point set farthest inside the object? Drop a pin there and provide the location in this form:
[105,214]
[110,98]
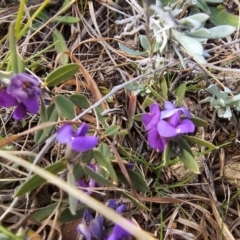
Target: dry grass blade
[81,196]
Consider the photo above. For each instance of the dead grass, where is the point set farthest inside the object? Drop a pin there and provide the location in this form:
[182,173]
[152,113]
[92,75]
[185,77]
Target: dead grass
[205,207]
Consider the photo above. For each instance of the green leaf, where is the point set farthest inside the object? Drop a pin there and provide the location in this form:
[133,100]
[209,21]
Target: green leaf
[189,161]
[95,176]
[199,122]
[105,162]
[219,16]
[144,42]
[130,51]
[52,116]
[138,117]
[87,157]
[43,112]
[80,100]
[138,181]
[134,200]
[182,143]
[44,213]
[61,46]
[112,130]
[164,87]
[66,216]
[16,61]
[192,46]
[147,102]
[200,142]
[156,94]
[65,106]
[65,19]
[35,181]
[202,5]
[180,94]
[62,74]
[167,154]
[73,202]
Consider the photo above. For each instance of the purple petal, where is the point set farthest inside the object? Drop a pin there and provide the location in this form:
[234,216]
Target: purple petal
[84,230]
[82,130]
[65,134]
[96,228]
[20,112]
[185,126]
[32,104]
[174,119]
[82,184]
[168,105]
[185,111]
[87,216]
[120,232]
[168,113]
[166,130]
[112,203]
[155,140]
[121,209]
[18,93]
[82,144]
[91,184]
[6,100]
[151,119]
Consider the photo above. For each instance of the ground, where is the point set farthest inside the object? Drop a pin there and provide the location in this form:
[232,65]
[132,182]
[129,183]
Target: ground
[102,41]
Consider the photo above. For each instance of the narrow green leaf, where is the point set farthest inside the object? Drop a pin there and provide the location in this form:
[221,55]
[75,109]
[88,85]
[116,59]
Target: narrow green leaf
[61,46]
[167,154]
[164,87]
[61,74]
[139,204]
[73,202]
[65,19]
[200,142]
[189,161]
[80,100]
[182,143]
[131,51]
[65,106]
[16,61]
[35,181]
[66,216]
[156,94]
[138,117]
[112,130]
[87,157]
[199,122]
[105,163]
[138,181]
[202,5]
[43,112]
[147,102]
[44,213]
[98,178]
[180,94]
[52,114]
[144,42]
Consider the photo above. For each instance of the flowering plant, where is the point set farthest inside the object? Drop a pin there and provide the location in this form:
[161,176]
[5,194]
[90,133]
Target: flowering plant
[165,130]
[23,93]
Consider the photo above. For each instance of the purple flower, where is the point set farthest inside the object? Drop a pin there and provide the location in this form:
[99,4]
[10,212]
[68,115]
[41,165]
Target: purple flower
[91,228]
[150,121]
[170,110]
[22,92]
[174,125]
[118,233]
[78,140]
